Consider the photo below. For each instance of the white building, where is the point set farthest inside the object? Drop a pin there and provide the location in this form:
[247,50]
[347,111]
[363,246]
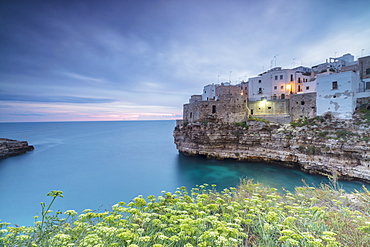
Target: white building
[278,83]
[337,93]
[334,65]
[209,92]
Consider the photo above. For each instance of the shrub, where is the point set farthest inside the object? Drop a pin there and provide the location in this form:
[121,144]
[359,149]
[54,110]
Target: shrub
[345,134]
[258,119]
[250,215]
[323,133]
[242,124]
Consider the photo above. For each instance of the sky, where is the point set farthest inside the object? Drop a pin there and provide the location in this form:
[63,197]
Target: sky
[95,60]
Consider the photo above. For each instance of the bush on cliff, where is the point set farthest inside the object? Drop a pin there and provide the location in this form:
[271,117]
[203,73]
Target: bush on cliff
[250,215]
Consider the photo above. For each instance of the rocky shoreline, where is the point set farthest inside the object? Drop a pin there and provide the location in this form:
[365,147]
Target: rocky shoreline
[319,145]
[9,148]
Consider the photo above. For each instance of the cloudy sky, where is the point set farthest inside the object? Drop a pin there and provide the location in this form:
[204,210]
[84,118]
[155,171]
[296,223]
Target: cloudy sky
[65,60]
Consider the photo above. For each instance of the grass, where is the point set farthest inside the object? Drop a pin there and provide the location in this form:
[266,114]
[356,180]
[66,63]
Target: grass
[250,118]
[250,215]
[365,114]
[307,121]
[242,124]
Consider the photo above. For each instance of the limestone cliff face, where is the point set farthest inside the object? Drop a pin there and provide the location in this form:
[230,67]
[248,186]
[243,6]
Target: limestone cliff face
[317,146]
[10,148]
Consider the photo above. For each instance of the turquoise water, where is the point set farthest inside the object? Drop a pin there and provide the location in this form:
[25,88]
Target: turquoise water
[97,164]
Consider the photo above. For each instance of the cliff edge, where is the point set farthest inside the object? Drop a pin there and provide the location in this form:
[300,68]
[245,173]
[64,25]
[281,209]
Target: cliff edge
[9,148]
[320,145]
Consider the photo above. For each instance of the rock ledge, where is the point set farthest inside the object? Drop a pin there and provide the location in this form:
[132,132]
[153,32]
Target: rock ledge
[9,148]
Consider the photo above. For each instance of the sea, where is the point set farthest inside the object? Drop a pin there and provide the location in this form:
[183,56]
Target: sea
[98,164]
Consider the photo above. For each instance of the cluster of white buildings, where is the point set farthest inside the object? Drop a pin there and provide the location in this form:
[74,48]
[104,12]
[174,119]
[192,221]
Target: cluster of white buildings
[337,86]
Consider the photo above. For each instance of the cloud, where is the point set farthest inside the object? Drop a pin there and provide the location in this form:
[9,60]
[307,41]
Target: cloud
[136,59]
[54,99]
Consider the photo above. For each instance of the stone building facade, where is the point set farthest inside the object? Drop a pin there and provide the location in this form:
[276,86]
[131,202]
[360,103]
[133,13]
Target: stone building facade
[302,105]
[227,108]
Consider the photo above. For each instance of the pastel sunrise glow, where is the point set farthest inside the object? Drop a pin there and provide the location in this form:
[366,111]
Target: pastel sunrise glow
[141,60]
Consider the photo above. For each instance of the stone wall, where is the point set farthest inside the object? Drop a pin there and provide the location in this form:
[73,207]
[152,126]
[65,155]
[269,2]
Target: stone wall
[268,107]
[302,105]
[320,147]
[227,109]
[228,89]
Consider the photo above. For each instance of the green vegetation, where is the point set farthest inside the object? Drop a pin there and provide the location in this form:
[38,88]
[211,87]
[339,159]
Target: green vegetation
[258,119]
[310,150]
[204,122]
[323,133]
[307,121]
[251,215]
[242,124]
[185,124]
[365,114]
[344,134]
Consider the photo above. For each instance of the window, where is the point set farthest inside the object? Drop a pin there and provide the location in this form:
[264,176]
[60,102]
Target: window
[302,102]
[299,88]
[282,87]
[260,90]
[282,96]
[307,88]
[281,77]
[274,97]
[368,71]
[213,109]
[275,87]
[299,79]
[269,107]
[191,114]
[276,77]
[334,85]
[291,77]
[251,111]
[259,81]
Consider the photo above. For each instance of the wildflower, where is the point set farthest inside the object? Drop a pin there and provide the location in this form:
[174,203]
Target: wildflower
[272,217]
[289,220]
[70,212]
[144,238]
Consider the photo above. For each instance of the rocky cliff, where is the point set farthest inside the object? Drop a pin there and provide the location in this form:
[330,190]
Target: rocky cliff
[10,148]
[319,145]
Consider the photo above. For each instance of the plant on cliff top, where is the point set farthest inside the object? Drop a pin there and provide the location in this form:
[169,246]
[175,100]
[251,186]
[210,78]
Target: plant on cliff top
[250,215]
[257,119]
[242,124]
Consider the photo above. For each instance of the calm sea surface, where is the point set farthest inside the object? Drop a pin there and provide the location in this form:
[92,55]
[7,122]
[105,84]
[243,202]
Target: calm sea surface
[97,164]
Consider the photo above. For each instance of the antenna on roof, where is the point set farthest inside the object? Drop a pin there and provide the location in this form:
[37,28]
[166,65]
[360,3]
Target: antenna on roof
[275,58]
